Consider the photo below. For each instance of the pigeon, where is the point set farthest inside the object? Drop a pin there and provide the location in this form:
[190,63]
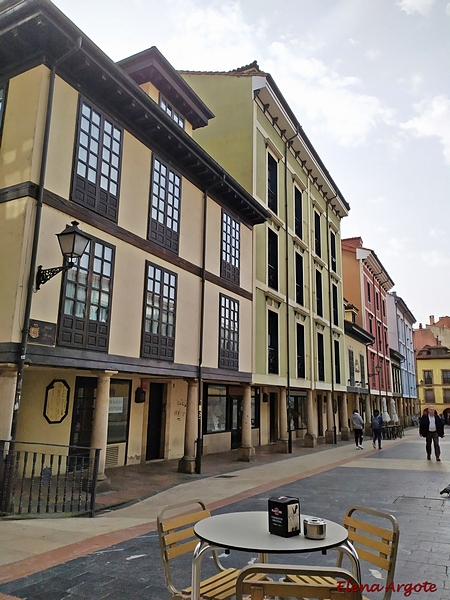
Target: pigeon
[446,490]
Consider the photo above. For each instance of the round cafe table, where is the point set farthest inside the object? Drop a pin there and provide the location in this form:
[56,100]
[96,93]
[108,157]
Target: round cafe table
[249,532]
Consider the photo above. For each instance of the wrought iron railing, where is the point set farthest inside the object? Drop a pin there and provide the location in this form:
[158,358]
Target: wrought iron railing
[43,479]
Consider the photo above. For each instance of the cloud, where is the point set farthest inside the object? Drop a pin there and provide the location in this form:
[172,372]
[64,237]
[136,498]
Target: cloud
[331,101]
[432,121]
[412,6]
[437,233]
[373,54]
[434,258]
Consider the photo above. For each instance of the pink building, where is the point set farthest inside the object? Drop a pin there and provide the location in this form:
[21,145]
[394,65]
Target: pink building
[366,284]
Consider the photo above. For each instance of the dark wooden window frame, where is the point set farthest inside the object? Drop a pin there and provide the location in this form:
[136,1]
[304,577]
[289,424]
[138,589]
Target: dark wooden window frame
[231,248]
[159,318]
[299,279]
[337,361]
[171,111]
[88,284]
[272,342]
[317,234]
[301,366]
[351,367]
[272,259]
[298,212]
[333,251]
[97,161]
[272,183]
[165,206]
[319,293]
[334,289]
[320,357]
[229,333]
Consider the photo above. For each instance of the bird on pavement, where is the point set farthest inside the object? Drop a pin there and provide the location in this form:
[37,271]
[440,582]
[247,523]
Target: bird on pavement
[446,490]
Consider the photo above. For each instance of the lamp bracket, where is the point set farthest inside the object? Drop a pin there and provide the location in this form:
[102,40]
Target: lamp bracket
[43,275]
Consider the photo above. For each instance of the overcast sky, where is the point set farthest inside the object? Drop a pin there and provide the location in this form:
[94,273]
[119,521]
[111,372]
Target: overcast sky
[369,81]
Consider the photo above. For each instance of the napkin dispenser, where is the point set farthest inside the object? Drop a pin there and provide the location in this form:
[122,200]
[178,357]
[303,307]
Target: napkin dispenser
[284,516]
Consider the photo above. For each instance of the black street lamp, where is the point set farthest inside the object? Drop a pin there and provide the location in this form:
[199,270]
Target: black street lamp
[73,243]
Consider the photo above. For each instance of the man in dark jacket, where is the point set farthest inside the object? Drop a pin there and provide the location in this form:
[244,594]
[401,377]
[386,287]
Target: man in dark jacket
[431,427]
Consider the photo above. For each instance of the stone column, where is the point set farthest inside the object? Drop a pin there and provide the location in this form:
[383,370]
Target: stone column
[345,431]
[311,430]
[8,378]
[246,450]
[100,426]
[187,463]
[368,415]
[329,432]
[401,412]
[282,443]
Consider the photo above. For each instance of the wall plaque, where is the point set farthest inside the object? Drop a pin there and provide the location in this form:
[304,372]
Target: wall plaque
[41,332]
[56,405]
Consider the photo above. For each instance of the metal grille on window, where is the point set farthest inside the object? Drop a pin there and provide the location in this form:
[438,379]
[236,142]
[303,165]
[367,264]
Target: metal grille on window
[98,157]
[230,248]
[84,321]
[159,319]
[229,333]
[165,207]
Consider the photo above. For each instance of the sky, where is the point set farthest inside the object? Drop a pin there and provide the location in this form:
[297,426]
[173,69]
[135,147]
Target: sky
[368,80]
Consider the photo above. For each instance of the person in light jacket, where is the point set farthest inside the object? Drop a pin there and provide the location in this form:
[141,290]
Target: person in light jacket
[358,425]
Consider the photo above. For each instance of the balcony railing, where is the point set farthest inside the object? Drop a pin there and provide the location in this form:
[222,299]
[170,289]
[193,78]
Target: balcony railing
[43,479]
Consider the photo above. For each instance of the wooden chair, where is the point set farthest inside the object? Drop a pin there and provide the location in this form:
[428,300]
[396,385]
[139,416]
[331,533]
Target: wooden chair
[288,581]
[375,536]
[176,538]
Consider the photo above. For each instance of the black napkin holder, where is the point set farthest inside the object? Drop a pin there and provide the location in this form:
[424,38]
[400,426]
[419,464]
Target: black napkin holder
[284,516]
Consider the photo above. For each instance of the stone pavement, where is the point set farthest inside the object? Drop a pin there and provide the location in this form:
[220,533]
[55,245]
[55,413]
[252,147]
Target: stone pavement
[116,554]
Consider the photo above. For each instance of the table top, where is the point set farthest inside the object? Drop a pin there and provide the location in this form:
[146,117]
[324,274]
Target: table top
[249,532]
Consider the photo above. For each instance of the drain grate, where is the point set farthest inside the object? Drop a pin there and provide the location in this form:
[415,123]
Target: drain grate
[224,476]
[426,502]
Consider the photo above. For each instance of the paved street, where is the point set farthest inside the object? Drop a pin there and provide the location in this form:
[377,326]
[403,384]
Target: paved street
[116,555]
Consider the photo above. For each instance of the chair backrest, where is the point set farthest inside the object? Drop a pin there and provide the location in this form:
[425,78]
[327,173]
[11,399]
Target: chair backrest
[375,536]
[175,525]
[330,583]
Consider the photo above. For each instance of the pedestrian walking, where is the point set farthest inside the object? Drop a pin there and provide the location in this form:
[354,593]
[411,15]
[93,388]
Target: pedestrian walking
[377,429]
[431,428]
[358,425]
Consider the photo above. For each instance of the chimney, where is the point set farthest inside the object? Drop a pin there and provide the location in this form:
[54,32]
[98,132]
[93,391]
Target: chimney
[431,319]
[420,325]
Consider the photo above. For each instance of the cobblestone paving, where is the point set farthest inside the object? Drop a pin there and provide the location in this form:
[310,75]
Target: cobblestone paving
[133,569]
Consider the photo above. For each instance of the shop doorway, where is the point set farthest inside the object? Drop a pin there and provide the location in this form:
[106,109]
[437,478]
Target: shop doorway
[83,415]
[236,422]
[155,421]
[273,413]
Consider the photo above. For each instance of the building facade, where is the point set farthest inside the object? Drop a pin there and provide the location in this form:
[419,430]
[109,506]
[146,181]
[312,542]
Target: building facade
[298,357]
[357,341]
[433,374]
[366,284]
[400,327]
[116,350]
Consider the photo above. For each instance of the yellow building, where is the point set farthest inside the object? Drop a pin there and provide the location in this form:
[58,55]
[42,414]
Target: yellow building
[298,300]
[116,350]
[433,374]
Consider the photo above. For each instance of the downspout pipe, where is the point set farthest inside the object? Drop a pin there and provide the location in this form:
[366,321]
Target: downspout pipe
[35,243]
[287,144]
[330,304]
[199,444]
